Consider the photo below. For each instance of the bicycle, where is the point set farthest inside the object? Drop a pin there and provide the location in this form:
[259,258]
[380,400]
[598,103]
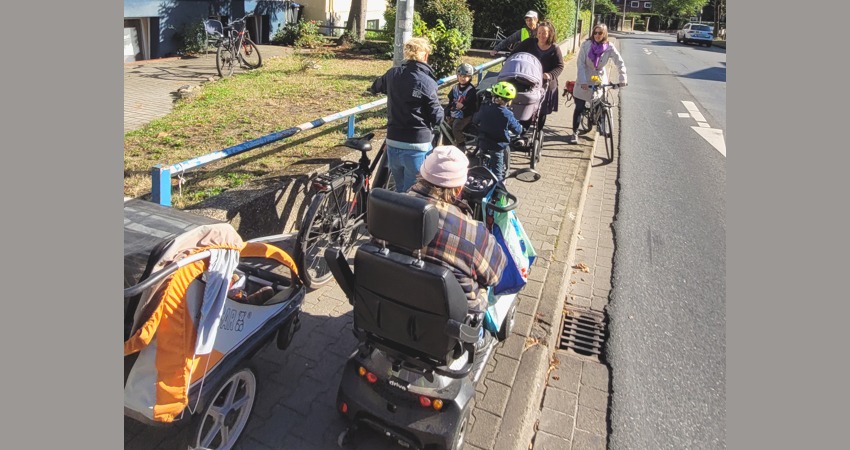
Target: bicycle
[234,46]
[337,213]
[499,37]
[598,112]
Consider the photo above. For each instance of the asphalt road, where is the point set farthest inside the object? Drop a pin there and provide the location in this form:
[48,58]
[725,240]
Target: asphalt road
[667,314]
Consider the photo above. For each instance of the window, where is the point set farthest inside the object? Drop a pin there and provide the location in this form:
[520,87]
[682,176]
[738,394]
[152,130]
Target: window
[634,5]
[647,5]
[372,24]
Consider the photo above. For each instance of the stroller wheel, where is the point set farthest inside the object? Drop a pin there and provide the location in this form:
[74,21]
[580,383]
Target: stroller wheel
[224,415]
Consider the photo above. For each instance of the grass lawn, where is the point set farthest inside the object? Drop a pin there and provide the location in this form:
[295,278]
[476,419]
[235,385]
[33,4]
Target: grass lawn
[285,92]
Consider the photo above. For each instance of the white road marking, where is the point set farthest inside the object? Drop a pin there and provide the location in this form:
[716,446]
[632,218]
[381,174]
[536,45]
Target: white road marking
[647,51]
[714,137]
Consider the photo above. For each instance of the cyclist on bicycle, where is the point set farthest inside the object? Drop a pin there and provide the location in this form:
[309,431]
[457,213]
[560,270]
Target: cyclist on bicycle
[528,31]
[495,121]
[593,56]
[463,244]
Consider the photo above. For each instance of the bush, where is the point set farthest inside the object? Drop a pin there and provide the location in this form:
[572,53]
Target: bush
[449,47]
[304,33]
[191,39]
[453,13]
[509,14]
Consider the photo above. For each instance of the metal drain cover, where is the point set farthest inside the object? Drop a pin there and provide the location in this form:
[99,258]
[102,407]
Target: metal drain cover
[583,331]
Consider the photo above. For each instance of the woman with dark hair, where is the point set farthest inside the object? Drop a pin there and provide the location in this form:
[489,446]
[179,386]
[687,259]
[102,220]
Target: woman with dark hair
[549,54]
[593,56]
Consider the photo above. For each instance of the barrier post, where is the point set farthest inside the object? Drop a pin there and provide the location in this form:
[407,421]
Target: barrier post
[351,126]
[161,184]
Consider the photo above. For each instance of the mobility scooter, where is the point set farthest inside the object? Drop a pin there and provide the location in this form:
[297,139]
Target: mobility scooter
[420,354]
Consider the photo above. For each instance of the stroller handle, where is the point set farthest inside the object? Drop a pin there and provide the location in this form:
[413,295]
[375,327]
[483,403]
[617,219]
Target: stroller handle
[165,272]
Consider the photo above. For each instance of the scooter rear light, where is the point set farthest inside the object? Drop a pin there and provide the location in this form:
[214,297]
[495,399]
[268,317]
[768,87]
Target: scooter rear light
[437,404]
[424,401]
[371,377]
[361,371]
[343,407]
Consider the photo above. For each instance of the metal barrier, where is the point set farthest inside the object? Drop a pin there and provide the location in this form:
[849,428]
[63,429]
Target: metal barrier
[161,174]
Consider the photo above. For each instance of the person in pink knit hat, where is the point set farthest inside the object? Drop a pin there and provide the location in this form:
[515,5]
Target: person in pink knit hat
[462,244]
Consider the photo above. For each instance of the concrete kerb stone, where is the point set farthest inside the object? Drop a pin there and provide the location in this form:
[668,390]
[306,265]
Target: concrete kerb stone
[524,403]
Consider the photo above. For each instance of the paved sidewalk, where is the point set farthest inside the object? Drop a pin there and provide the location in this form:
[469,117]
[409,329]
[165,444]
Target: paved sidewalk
[296,409]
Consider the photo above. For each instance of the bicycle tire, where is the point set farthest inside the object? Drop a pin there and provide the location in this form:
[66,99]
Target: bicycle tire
[224,60]
[249,54]
[328,223]
[536,149]
[608,125]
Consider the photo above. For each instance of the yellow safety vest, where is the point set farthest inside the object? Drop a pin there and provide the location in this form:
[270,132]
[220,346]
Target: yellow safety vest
[524,34]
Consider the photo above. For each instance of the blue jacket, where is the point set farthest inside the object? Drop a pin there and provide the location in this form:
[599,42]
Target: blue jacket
[413,107]
[494,122]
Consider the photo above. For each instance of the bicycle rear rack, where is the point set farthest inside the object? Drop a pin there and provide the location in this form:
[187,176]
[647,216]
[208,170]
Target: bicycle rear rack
[335,176]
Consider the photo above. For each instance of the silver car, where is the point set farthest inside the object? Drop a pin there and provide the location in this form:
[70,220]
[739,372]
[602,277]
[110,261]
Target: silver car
[696,32]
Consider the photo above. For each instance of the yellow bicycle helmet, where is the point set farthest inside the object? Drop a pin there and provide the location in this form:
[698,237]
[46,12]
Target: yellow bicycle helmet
[504,89]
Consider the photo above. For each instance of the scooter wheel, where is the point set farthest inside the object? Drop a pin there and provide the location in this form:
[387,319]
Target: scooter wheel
[508,324]
[344,438]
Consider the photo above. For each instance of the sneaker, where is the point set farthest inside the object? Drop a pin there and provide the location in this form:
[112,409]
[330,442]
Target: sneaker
[572,139]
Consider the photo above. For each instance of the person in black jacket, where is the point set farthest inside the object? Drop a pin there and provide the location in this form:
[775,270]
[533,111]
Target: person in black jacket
[552,60]
[413,111]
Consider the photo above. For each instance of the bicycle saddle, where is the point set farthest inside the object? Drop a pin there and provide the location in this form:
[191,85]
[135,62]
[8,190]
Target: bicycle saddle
[363,143]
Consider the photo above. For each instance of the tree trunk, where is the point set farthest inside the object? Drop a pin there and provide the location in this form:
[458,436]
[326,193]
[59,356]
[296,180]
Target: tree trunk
[357,19]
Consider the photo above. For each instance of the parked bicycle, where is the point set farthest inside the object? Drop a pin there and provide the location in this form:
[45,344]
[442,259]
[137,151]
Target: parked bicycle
[336,216]
[499,37]
[233,46]
[598,112]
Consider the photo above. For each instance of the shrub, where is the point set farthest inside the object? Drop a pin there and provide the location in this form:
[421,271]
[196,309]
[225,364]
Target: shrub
[453,13]
[508,14]
[449,47]
[304,33]
[191,38]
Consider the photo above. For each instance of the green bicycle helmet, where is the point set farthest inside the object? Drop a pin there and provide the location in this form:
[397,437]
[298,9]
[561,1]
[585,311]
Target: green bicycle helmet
[504,89]
[465,69]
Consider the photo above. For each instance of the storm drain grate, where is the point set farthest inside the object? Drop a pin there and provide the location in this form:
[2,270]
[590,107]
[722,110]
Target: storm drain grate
[583,332]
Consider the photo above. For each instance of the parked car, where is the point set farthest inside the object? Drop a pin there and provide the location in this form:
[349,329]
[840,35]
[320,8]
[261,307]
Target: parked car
[696,32]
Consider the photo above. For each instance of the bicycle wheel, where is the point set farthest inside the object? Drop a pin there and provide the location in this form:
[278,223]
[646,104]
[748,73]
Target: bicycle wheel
[536,149]
[334,219]
[608,125]
[224,60]
[250,54]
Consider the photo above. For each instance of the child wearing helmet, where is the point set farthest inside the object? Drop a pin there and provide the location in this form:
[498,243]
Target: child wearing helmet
[495,123]
[463,102]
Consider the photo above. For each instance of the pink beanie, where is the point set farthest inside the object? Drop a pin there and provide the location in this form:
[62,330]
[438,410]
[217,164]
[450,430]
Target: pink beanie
[446,167]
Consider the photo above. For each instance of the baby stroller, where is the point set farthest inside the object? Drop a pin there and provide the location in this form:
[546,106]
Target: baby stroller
[413,375]
[525,72]
[204,304]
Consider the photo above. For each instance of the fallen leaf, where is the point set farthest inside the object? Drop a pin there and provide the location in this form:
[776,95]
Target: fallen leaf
[583,267]
[555,377]
[162,134]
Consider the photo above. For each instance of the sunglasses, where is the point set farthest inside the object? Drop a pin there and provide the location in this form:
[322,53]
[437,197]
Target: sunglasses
[598,32]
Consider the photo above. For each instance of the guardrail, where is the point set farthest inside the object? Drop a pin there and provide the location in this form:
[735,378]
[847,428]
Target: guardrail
[161,174]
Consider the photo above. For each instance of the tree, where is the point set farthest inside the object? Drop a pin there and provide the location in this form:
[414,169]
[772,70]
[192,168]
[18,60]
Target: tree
[679,8]
[357,19]
[719,11]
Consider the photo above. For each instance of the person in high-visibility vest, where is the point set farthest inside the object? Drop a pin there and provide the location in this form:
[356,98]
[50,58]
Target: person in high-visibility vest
[528,31]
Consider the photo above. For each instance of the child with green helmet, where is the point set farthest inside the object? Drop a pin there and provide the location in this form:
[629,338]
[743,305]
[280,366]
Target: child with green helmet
[495,122]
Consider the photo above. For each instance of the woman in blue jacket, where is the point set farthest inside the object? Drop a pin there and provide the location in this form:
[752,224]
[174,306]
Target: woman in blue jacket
[413,111]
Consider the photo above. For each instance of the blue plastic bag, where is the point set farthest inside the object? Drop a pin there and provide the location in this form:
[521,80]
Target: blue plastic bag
[517,246]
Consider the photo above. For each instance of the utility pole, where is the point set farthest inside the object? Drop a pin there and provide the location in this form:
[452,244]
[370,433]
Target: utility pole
[624,15]
[593,14]
[575,28]
[403,29]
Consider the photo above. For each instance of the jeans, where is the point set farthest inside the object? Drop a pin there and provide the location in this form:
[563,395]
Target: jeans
[497,162]
[404,166]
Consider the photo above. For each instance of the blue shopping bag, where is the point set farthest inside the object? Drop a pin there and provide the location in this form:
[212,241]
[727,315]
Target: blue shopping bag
[514,241]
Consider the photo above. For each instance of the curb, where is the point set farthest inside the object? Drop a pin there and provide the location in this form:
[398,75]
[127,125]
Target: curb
[526,399]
